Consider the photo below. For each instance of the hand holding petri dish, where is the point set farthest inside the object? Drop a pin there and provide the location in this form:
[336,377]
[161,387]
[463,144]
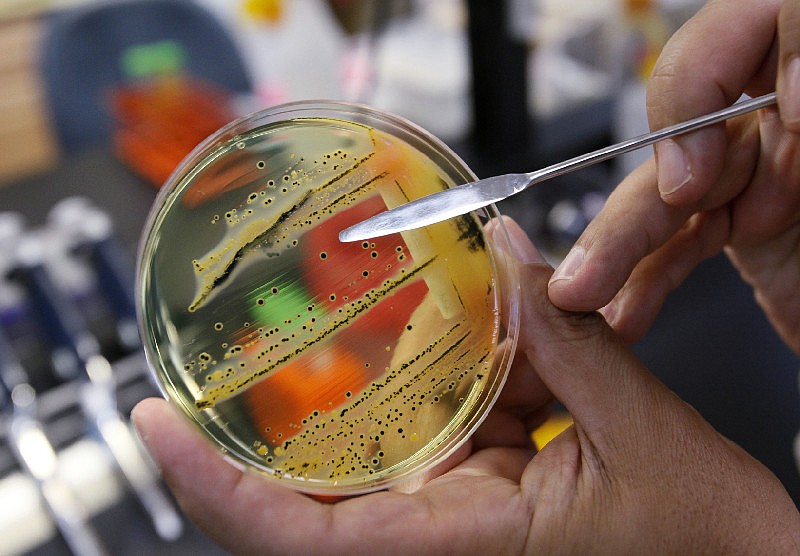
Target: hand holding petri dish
[336,368]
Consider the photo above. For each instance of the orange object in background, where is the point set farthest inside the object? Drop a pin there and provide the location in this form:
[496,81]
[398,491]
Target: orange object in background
[266,11]
[379,257]
[282,404]
[159,122]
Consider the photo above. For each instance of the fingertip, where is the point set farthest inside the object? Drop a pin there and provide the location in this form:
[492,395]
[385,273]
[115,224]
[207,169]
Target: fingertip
[145,418]
[789,94]
[564,288]
[570,267]
[579,283]
[145,407]
[629,323]
[788,82]
[688,165]
[176,447]
[673,167]
[569,296]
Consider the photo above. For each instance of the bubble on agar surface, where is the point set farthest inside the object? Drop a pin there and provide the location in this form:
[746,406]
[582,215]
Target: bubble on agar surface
[322,363]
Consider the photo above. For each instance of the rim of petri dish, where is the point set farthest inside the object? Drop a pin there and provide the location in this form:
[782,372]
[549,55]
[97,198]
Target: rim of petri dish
[507,290]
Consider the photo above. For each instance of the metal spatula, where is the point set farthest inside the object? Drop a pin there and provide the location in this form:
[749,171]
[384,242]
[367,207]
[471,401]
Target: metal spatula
[471,196]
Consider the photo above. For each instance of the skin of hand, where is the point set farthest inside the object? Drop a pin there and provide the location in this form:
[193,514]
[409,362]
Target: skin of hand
[640,472]
[733,187]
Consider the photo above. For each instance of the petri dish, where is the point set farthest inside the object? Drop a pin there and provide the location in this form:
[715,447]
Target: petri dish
[335,368]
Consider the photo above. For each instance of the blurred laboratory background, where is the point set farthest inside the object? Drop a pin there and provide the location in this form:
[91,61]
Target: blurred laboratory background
[99,101]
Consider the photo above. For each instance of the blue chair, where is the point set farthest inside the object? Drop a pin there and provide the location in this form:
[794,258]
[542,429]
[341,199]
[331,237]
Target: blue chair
[84,49]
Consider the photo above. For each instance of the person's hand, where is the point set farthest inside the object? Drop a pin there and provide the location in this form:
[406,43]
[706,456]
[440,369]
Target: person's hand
[640,472]
[734,187]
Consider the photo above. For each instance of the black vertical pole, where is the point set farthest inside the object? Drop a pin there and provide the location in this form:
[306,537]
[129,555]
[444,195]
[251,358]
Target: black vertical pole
[499,89]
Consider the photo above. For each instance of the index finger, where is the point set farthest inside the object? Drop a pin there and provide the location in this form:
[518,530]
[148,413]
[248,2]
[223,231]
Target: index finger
[728,48]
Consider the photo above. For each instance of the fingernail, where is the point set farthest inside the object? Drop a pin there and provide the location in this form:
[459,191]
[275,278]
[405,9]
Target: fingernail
[610,312]
[521,246]
[570,265]
[673,167]
[790,98]
[144,440]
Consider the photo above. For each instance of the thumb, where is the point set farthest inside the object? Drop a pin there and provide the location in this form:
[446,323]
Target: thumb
[579,357]
[788,82]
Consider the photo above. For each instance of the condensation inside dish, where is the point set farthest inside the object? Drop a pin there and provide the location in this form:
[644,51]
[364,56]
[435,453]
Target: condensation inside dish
[311,359]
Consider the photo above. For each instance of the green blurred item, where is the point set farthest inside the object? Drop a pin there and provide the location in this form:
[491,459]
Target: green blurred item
[160,58]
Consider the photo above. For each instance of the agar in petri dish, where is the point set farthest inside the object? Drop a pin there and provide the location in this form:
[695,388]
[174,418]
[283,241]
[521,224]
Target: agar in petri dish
[337,368]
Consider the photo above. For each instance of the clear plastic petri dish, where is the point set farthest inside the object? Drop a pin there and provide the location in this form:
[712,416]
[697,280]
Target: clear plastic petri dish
[335,368]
